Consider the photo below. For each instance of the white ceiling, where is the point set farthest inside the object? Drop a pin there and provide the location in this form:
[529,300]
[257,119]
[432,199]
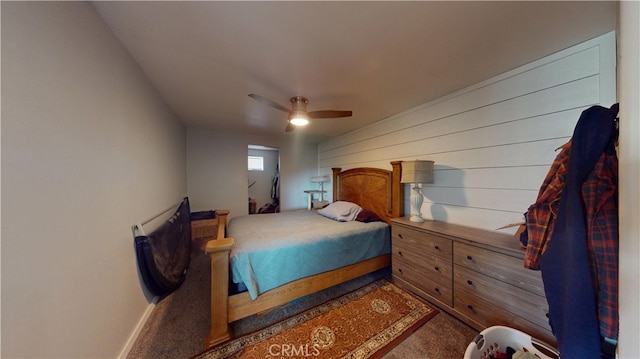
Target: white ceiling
[374,58]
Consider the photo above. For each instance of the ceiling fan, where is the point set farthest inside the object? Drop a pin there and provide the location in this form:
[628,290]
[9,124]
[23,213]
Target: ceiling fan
[298,114]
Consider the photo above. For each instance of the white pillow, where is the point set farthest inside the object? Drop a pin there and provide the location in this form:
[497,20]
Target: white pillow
[341,211]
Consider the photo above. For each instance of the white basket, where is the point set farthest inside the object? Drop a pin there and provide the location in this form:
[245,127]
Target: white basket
[496,339]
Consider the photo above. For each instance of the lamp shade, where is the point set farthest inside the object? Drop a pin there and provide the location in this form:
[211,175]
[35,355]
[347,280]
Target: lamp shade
[417,171]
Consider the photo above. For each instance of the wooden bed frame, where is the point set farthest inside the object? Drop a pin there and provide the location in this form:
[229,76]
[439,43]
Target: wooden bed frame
[375,189]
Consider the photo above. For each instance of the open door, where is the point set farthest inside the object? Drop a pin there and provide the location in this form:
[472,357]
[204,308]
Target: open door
[264,179]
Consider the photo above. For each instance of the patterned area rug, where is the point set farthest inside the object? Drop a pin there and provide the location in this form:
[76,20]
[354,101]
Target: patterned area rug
[363,324]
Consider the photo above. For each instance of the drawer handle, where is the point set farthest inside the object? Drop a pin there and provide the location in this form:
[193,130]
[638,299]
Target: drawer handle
[470,306]
[437,247]
[400,235]
[469,282]
[400,253]
[470,258]
[437,290]
[437,269]
[400,270]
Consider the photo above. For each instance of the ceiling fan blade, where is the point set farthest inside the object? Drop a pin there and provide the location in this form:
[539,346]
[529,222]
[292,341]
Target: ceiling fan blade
[329,114]
[289,127]
[268,102]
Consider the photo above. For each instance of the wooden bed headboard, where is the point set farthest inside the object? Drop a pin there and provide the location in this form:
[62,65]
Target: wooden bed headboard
[374,189]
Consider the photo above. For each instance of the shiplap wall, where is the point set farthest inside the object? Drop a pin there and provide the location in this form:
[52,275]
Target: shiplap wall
[492,143]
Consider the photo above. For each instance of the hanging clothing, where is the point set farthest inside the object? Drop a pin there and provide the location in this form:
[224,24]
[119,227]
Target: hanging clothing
[572,237]
[541,216]
[275,187]
[600,196]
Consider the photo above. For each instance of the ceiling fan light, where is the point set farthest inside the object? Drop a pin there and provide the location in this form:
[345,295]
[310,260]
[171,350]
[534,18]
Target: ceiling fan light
[299,119]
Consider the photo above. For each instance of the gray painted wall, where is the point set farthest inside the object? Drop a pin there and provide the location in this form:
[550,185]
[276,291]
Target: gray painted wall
[88,149]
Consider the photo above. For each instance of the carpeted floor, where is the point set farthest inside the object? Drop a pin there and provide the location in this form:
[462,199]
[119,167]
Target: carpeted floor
[179,323]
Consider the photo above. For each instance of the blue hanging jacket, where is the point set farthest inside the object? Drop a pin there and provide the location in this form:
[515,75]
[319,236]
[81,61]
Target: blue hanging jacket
[565,263]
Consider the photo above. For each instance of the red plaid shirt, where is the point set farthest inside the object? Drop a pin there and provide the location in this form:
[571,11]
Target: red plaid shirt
[599,195]
[541,216]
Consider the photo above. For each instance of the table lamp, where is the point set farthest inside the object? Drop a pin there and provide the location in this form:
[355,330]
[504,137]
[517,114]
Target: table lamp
[416,172]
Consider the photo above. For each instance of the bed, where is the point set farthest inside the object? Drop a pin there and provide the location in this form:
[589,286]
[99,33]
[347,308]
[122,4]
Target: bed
[268,286]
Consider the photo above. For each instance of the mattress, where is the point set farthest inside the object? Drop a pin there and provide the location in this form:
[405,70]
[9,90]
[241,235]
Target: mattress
[277,248]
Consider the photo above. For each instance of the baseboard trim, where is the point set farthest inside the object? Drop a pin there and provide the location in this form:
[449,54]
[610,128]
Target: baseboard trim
[136,331]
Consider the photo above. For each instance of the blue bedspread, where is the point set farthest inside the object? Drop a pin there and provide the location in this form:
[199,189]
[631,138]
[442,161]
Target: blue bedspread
[274,249]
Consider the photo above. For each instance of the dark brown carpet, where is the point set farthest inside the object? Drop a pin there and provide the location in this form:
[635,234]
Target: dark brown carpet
[180,322]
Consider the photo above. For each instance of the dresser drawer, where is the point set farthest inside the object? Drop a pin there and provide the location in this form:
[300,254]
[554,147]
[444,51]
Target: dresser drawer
[506,297]
[436,283]
[420,242]
[435,268]
[483,314]
[497,265]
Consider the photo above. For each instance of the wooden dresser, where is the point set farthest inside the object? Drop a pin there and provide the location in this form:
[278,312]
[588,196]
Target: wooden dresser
[476,275]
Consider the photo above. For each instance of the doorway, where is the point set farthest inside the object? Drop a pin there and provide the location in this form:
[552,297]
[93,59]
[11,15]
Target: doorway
[264,179]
